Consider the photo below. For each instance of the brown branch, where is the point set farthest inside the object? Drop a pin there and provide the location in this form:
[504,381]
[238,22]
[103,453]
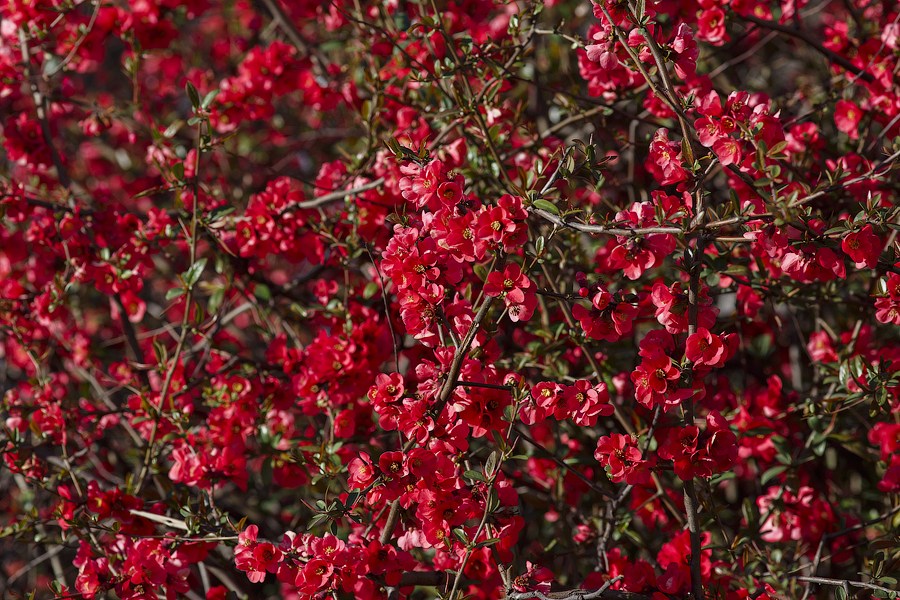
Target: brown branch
[338,195]
[844,583]
[446,392]
[812,42]
[600,229]
[41,105]
[562,464]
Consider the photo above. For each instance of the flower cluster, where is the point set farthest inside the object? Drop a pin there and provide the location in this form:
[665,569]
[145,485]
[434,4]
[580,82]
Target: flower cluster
[694,455]
[623,460]
[515,289]
[582,402]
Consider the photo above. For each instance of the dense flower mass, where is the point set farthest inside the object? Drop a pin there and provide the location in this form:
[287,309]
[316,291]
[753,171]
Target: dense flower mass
[484,299]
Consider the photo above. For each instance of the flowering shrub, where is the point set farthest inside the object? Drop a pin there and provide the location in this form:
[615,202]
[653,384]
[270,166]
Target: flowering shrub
[470,299]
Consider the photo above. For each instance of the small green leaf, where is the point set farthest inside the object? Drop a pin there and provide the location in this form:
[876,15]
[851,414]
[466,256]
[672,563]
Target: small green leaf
[776,148]
[208,98]
[548,206]
[460,534]
[172,129]
[174,293]
[193,95]
[192,275]
[178,171]
[493,500]
[773,472]
[262,292]
[370,290]
[220,211]
[491,464]
[315,521]
[475,475]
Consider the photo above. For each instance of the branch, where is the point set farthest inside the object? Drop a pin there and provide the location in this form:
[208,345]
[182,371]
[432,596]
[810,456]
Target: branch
[812,42]
[844,583]
[603,592]
[41,105]
[600,229]
[691,505]
[446,392]
[338,195]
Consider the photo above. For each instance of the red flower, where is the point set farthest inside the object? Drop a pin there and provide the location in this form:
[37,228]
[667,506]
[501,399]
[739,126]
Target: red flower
[672,307]
[728,151]
[847,117]
[656,383]
[362,471]
[621,457]
[863,247]
[708,350]
[820,347]
[664,161]
[515,289]
[711,26]
[586,402]
[316,574]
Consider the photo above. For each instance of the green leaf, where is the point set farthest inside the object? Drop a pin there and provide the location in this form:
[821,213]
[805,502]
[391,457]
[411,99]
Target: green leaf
[178,171]
[539,246]
[491,464]
[844,373]
[460,534]
[210,96]
[193,95]
[220,211]
[489,542]
[150,192]
[736,270]
[192,275]
[215,301]
[174,293]
[370,290]
[475,475]
[262,292]
[776,148]
[493,500]
[172,129]
[548,206]
[773,472]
